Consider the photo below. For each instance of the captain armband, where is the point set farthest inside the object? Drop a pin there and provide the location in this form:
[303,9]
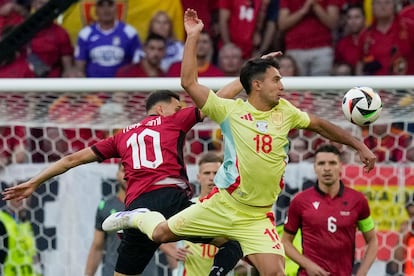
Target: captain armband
[366,224]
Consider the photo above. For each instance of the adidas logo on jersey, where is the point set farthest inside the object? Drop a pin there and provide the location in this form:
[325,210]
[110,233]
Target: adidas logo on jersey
[247,117]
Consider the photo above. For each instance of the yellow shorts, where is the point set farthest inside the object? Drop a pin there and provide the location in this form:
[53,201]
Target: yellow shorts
[223,216]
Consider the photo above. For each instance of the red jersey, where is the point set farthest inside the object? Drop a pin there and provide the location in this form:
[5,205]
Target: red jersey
[408,12]
[388,53]
[12,19]
[204,8]
[308,33]
[242,22]
[206,71]
[135,71]
[18,68]
[347,50]
[151,151]
[50,45]
[328,226]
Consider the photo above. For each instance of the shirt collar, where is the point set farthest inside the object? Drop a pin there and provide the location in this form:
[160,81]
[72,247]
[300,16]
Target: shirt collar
[340,192]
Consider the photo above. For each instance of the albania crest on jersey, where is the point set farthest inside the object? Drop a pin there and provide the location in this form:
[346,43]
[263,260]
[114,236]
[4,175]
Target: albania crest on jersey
[88,10]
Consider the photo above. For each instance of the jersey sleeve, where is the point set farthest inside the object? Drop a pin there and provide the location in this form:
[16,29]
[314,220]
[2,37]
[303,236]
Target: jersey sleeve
[186,118]
[365,221]
[300,119]
[106,148]
[217,108]
[81,49]
[294,217]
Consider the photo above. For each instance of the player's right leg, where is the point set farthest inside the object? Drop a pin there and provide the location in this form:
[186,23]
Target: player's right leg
[268,264]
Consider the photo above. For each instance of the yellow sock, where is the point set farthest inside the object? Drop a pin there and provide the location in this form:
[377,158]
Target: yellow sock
[147,222]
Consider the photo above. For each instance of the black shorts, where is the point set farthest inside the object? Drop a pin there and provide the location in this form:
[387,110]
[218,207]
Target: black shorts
[136,249]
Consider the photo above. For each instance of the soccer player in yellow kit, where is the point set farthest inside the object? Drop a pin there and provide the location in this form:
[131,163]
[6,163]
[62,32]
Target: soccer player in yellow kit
[255,148]
[197,258]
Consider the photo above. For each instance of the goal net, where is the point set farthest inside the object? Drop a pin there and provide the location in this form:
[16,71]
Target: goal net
[44,120]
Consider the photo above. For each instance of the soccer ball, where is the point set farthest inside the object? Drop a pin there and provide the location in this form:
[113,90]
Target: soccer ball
[361,105]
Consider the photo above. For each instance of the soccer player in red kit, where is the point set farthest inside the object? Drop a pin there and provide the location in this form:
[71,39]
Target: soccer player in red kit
[151,152]
[329,215]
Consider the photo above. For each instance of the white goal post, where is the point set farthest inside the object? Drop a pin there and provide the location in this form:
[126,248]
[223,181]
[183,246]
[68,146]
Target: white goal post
[143,84]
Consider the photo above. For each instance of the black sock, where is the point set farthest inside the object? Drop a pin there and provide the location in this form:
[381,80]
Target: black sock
[226,258]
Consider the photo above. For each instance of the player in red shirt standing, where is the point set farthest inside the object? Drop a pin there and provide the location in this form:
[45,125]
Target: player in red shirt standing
[328,216]
[151,152]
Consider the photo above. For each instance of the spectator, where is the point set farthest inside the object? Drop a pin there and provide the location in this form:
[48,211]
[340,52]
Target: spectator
[239,21]
[12,145]
[12,13]
[204,56]
[206,10]
[50,50]
[162,25]
[230,60]
[385,47]
[328,216]
[17,242]
[342,69]
[18,65]
[266,36]
[408,11]
[105,46]
[307,26]
[150,64]
[347,50]
[288,66]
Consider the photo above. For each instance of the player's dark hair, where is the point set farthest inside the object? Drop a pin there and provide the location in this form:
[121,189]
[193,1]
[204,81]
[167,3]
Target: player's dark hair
[154,36]
[255,69]
[328,148]
[210,157]
[160,96]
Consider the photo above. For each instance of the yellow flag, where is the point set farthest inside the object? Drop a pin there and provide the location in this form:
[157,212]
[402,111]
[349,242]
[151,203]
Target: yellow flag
[137,13]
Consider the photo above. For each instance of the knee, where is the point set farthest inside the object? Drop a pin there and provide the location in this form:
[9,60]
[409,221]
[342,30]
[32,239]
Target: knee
[163,234]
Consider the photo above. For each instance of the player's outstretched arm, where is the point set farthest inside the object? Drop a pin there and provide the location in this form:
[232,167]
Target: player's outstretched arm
[193,27]
[25,189]
[337,134]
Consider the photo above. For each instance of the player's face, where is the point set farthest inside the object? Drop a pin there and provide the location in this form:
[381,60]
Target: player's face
[167,109]
[205,177]
[271,88]
[328,168]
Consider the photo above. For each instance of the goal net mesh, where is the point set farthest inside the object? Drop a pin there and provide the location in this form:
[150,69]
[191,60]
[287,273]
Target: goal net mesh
[41,127]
